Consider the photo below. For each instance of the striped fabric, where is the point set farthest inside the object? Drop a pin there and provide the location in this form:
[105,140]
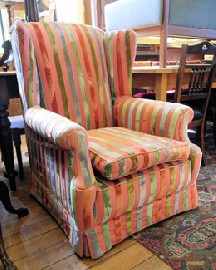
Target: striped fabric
[108,211]
[69,76]
[116,152]
[64,134]
[75,84]
[160,119]
[120,53]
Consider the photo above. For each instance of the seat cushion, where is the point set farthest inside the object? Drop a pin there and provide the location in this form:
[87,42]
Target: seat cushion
[116,152]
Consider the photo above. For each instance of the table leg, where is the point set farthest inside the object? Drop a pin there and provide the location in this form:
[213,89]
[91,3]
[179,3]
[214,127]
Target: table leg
[7,263]
[6,142]
[5,199]
[161,86]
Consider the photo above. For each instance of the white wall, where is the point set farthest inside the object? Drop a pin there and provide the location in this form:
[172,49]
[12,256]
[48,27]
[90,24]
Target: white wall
[70,11]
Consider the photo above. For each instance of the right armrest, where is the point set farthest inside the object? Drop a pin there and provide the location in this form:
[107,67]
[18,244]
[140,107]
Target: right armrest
[153,117]
[68,135]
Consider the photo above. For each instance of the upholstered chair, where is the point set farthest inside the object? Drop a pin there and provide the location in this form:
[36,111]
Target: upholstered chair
[104,164]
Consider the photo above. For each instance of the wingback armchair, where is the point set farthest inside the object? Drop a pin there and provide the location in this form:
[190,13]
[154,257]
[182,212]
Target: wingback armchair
[104,164]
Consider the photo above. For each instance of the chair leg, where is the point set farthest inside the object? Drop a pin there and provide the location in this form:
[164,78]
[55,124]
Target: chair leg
[21,212]
[17,144]
[2,158]
[214,131]
[7,263]
[200,138]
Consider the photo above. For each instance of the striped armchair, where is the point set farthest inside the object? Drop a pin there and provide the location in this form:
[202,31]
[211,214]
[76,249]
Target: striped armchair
[104,164]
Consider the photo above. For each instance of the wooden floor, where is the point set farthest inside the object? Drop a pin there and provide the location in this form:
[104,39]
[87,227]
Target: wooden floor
[36,242]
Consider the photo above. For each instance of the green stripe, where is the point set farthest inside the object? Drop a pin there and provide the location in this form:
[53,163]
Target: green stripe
[129,222]
[73,40]
[107,237]
[95,243]
[99,81]
[110,61]
[149,214]
[58,66]
[84,159]
[153,183]
[30,93]
[107,205]
[129,58]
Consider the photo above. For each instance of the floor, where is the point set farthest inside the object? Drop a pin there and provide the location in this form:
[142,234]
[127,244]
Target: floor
[35,242]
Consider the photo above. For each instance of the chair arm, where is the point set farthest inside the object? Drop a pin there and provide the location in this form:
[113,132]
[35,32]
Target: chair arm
[153,117]
[67,135]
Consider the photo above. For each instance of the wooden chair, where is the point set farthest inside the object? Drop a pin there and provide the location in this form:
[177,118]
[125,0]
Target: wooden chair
[211,112]
[197,91]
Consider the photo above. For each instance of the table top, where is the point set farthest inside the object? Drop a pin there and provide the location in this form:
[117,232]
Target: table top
[17,4]
[7,73]
[155,69]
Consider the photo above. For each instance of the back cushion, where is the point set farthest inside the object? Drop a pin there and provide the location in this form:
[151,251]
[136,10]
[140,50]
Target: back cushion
[64,70]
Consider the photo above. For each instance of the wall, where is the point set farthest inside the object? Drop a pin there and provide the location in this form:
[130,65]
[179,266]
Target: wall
[70,11]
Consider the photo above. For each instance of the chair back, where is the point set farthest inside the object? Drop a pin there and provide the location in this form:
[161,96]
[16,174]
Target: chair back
[67,68]
[194,80]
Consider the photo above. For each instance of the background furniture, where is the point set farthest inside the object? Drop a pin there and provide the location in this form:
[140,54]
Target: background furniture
[154,78]
[97,165]
[9,89]
[211,112]
[163,18]
[21,212]
[198,89]
[5,134]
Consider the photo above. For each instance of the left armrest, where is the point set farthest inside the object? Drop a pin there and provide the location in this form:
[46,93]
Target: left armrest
[67,136]
[153,117]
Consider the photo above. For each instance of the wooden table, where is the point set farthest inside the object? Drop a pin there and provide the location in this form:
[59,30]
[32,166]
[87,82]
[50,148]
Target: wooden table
[159,79]
[7,90]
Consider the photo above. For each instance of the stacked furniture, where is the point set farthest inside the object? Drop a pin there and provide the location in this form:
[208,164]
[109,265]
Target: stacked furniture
[163,18]
[103,163]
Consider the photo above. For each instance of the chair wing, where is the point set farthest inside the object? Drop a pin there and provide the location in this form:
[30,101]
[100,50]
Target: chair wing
[120,48]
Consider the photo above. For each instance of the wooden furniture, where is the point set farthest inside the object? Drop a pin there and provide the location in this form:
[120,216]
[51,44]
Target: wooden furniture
[7,263]
[31,11]
[211,113]
[6,139]
[175,18]
[5,134]
[16,119]
[155,78]
[158,79]
[7,92]
[21,212]
[198,89]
